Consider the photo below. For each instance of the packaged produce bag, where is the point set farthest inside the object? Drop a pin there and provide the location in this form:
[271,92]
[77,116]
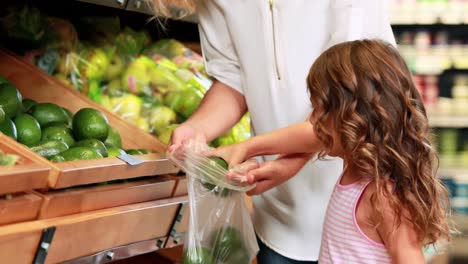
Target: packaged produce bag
[220,228]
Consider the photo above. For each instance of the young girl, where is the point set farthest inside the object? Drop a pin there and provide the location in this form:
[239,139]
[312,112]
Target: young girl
[388,203]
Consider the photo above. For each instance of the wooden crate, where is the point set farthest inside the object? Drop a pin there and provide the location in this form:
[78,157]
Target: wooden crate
[19,248]
[22,207]
[181,228]
[79,200]
[37,85]
[181,186]
[31,171]
[88,233]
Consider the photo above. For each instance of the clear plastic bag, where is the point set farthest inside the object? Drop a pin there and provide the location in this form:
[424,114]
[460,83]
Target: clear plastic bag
[220,228]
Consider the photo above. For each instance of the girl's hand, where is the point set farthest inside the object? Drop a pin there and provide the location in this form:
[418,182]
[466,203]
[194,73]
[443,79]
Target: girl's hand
[273,173]
[234,154]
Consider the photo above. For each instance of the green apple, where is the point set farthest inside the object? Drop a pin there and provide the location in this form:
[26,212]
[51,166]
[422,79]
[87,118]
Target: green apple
[95,64]
[115,69]
[127,106]
[161,117]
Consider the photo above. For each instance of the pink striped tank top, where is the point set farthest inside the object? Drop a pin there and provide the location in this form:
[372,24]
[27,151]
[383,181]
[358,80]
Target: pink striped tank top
[342,239]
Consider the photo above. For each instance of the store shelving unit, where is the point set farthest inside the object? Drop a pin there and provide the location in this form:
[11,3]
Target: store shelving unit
[434,38]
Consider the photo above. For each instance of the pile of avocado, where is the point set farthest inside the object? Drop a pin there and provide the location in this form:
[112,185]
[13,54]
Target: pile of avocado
[54,132]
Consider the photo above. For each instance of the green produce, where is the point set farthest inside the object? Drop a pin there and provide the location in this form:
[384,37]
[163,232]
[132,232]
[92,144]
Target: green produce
[10,99]
[8,128]
[114,152]
[50,148]
[198,256]
[130,42]
[94,64]
[69,115]
[90,123]
[67,63]
[60,132]
[216,162]
[161,117]
[46,113]
[144,151]
[8,159]
[29,130]
[81,153]
[140,122]
[114,88]
[128,106]
[113,138]
[229,246]
[183,102]
[57,158]
[93,143]
[57,124]
[3,80]
[166,134]
[2,115]
[28,104]
[115,68]
[168,47]
[26,25]
[134,152]
[136,78]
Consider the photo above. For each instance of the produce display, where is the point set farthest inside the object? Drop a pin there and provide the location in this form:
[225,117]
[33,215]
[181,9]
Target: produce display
[152,84]
[54,132]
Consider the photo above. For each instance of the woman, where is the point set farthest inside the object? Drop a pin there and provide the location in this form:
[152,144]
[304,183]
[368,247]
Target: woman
[259,53]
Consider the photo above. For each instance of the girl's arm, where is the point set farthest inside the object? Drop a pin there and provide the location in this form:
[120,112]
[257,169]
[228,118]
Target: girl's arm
[402,243]
[298,138]
[272,173]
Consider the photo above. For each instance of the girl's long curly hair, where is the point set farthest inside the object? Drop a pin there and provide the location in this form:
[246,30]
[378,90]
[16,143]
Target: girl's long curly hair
[366,90]
[164,8]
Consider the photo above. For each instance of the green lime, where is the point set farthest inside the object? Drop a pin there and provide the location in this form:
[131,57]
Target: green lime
[57,158]
[93,143]
[46,113]
[144,151]
[69,116]
[206,182]
[28,104]
[114,152]
[133,152]
[90,123]
[59,132]
[3,80]
[2,115]
[114,138]
[198,256]
[81,153]
[8,128]
[49,148]
[10,99]
[229,246]
[57,124]
[29,130]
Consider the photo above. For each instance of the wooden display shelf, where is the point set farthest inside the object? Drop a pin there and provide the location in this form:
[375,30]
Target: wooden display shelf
[89,233]
[181,186]
[85,199]
[31,171]
[22,207]
[37,85]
